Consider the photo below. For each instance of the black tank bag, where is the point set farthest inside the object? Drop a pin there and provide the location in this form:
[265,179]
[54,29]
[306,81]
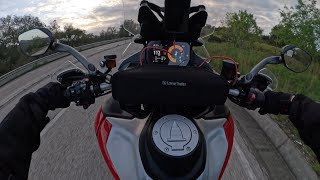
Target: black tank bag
[169,85]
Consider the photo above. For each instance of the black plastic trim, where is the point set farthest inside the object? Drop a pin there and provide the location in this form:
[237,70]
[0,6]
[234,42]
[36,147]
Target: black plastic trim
[112,108]
[220,111]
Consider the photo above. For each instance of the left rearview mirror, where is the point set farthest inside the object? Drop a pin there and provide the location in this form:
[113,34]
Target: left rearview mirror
[35,42]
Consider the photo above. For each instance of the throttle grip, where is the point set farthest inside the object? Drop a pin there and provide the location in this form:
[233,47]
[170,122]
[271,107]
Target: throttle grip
[80,93]
[255,99]
[251,99]
[84,93]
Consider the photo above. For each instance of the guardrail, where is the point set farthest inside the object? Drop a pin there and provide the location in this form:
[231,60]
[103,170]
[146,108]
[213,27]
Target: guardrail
[4,79]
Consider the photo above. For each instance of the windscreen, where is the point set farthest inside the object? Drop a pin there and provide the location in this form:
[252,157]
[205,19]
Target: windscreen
[273,81]
[217,32]
[131,9]
[131,25]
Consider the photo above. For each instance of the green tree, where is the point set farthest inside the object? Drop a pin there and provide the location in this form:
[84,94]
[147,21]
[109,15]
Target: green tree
[123,32]
[223,33]
[10,28]
[55,28]
[242,27]
[299,25]
[129,27]
[89,38]
[103,35]
[277,34]
[112,32]
[72,35]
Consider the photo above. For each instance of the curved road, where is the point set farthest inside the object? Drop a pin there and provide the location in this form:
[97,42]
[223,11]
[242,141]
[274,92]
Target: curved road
[69,149]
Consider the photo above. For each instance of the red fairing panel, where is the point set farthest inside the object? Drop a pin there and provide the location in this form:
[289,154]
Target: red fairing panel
[103,128]
[229,131]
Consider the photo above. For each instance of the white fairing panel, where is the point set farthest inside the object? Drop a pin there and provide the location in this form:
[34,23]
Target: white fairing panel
[123,147]
[217,146]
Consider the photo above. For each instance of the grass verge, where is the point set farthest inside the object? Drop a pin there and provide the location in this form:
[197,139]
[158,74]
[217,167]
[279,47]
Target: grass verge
[306,83]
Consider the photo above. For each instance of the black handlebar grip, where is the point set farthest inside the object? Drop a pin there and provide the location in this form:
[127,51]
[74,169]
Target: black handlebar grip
[260,99]
[66,94]
[255,99]
[81,94]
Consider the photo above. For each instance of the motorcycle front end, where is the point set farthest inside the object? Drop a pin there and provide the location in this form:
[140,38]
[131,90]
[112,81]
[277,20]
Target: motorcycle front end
[164,116]
[139,142]
[161,146]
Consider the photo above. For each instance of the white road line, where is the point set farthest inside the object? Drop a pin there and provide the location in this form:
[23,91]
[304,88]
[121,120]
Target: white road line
[52,122]
[76,65]
[244,161]
[126,48]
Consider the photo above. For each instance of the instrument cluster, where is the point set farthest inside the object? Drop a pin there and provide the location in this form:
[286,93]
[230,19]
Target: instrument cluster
[168,52]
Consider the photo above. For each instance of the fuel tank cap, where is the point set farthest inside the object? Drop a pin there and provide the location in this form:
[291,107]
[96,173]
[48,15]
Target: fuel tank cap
[175,135]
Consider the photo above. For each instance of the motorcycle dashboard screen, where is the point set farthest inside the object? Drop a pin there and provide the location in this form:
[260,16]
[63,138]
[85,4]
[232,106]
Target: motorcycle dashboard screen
[168,52]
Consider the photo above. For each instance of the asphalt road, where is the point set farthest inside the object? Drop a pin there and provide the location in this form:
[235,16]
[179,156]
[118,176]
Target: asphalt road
[69,148]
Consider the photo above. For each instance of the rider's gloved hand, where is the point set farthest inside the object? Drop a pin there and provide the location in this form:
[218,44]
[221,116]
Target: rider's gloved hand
[20,129]
[255,99]
[304,113]
[275,103]
[52,95]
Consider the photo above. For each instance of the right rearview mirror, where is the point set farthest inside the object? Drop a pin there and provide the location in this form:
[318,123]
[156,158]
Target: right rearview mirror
[35,42]
[296,59]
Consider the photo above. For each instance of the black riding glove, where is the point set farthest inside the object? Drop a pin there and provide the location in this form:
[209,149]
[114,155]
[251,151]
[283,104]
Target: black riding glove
[52,95]
[255,99]
[305,115]
[303,112]
[20,129]
[275,103]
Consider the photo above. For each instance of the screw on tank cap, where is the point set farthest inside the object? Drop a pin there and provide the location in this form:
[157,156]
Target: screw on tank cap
[175,135]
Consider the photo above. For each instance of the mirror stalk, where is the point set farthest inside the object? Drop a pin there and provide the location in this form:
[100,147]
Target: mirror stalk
[254,71]
[65,48]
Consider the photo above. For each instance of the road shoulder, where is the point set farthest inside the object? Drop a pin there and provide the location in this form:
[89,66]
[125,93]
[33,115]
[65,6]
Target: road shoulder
[292,157]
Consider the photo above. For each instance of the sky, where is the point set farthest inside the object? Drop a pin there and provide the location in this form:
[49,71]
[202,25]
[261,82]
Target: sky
[96,15]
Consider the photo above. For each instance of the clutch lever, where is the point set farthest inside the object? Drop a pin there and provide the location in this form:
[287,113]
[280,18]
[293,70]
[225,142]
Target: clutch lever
[68,77]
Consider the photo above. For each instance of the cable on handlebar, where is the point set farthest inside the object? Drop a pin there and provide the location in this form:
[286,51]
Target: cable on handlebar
[223,58]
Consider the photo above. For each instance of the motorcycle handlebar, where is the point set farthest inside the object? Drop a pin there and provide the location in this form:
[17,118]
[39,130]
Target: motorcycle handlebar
[253,99]
[105,86]
[83,93]
[234,92]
